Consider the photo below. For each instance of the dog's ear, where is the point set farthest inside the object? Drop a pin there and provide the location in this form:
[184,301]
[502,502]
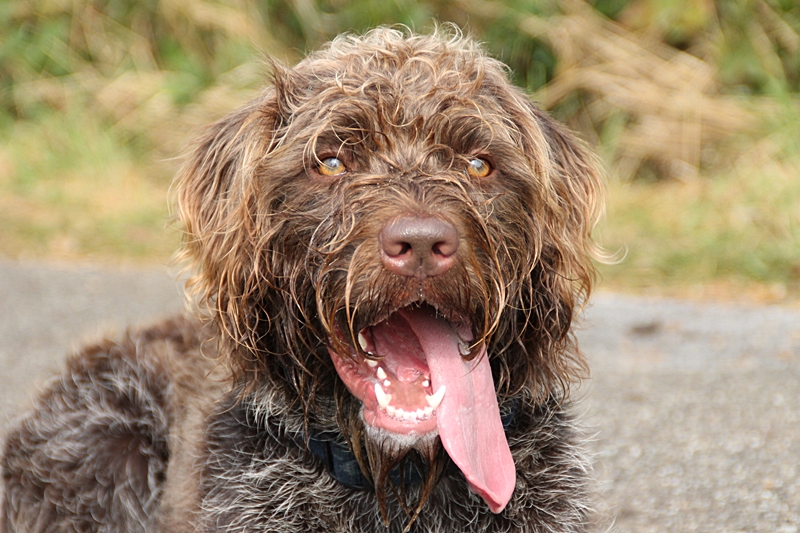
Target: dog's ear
[215,195]
[577,198]
[232,234]
[567,203]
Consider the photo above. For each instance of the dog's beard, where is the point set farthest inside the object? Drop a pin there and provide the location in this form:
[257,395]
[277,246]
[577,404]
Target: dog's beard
[388,460]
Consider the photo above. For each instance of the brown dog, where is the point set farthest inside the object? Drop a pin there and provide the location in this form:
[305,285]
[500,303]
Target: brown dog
[387,248]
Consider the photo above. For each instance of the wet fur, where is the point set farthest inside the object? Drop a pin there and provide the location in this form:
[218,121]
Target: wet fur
[203,423]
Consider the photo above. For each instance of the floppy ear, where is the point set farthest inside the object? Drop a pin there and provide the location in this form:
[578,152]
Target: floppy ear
[210,195]
[216,196]
[566,203]
[579,190]
[231,196]
[565,274]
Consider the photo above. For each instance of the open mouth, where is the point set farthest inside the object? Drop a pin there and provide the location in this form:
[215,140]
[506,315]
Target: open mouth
[415,380]
[394,382]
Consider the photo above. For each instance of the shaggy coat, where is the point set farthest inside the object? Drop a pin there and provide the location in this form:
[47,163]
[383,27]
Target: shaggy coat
[386,212]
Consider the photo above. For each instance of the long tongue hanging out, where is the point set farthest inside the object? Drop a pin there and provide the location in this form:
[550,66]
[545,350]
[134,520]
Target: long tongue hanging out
[468,418]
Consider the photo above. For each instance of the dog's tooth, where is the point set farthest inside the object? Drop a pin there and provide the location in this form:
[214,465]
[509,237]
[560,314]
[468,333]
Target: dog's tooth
[436,398]
[362,341]
[421,414]
[386,382]
[400,413]
[391,411]
[371,363]
[428,411]
[381,373]
[426,383]
[381,396]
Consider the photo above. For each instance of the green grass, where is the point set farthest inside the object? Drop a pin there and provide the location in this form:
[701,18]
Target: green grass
[734,234]
[70,188]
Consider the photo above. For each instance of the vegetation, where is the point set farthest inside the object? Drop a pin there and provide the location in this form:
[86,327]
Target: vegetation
[692,106]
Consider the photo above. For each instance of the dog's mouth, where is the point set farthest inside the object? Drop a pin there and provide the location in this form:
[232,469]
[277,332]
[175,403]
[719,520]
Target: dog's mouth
[410,373]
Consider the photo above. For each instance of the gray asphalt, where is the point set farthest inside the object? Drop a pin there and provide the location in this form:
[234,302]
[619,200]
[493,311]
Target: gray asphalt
[695,407]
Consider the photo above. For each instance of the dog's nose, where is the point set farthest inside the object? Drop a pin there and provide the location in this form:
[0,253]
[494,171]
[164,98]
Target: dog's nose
[418,246]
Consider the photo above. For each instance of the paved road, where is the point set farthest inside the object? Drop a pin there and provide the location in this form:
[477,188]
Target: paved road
[696,407]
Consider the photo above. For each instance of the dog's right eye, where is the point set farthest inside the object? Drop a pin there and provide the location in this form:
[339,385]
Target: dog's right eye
[331,166]
[479,168]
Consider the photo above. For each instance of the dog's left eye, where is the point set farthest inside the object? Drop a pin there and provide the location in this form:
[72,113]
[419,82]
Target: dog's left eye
[479,168]
[331,166]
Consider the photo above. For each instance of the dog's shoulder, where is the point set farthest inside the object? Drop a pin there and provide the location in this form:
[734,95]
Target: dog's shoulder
[95,448]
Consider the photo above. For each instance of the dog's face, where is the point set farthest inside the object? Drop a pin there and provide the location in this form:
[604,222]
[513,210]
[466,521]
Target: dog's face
[393,218]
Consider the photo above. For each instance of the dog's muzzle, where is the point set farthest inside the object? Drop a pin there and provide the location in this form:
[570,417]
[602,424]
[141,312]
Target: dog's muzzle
[416,380]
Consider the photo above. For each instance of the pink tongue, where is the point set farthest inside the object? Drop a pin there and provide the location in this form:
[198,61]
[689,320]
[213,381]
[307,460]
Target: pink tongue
[468,417]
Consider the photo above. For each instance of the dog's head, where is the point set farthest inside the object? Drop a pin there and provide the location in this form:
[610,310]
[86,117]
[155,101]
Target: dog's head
[394,229]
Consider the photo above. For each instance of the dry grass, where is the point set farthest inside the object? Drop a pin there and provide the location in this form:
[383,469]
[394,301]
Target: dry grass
[119,70]
[644,101]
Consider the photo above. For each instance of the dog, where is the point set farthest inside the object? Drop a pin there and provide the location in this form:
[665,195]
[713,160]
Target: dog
[387,249]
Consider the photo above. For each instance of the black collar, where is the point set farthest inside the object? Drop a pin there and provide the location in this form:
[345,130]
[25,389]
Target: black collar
[341,462]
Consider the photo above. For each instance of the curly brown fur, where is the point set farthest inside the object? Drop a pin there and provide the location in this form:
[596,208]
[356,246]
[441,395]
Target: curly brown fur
[288,265]
[93,455]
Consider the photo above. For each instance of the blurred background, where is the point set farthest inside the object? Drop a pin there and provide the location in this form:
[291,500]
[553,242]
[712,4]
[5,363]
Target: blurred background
[691,104]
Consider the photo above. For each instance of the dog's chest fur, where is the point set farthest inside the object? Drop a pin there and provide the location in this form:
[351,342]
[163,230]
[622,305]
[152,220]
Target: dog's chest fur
[254,471]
